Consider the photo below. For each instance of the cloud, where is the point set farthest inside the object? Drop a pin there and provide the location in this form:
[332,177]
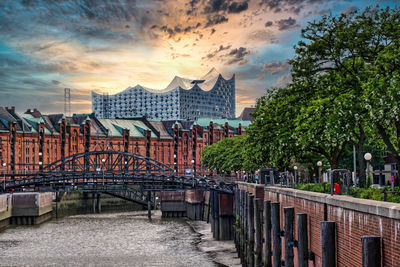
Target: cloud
[238,7]
[215,19]
[275,67]
[237,56]
[323,11]
[215,52]
[174,30]
[216,6]
[294,6]
[349,10]
[268,23]
[287,24]
[283,80]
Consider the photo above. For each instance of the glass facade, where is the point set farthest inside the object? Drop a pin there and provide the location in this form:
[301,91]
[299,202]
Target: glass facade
[212,97]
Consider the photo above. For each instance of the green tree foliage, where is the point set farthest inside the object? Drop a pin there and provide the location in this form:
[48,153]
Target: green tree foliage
[271,133]
[345,90]
[230,155]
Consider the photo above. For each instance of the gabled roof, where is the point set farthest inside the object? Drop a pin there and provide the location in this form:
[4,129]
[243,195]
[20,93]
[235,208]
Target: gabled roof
[135,127]
[159,126]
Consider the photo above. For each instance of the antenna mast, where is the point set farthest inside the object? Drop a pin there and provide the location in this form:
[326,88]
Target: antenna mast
[67,102]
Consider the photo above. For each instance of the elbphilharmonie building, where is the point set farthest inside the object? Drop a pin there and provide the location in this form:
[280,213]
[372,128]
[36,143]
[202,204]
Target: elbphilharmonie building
[210,96]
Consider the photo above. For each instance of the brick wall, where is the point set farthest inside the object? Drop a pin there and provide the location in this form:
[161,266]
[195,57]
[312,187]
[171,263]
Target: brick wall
[354,218]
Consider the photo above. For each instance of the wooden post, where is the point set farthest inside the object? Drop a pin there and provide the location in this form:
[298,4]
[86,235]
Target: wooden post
[245,229]
[241,234]
[56,205]
[211,212]
[235,213]
[240,224]
[154,200]
[302,239]
[267,234]
[94,203]
[289,240]
[371,251]
[250,230]
[215,214]
[328,243]
[276,234]
[98,204]
[149,204]
[258,239]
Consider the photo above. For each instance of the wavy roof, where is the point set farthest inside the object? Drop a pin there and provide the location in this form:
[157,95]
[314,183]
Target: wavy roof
[208,84]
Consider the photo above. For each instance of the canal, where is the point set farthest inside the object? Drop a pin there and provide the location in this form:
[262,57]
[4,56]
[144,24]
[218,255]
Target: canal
[108,239]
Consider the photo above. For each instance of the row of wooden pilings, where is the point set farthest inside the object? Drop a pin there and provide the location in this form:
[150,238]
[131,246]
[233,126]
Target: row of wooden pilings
[258,236]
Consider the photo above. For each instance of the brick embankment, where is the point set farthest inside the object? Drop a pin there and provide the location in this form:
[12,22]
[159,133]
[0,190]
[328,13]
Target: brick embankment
[354,218]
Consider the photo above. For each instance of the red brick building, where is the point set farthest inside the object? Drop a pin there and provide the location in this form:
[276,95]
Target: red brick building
[32,140]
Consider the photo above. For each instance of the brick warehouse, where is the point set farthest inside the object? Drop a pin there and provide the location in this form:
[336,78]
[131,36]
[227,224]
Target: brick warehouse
[32,140]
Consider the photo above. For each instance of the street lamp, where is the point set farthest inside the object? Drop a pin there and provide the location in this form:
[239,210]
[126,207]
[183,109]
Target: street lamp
[319,164]
[295,173]
[367,157]
[194,167]
[103,160]
[4,165]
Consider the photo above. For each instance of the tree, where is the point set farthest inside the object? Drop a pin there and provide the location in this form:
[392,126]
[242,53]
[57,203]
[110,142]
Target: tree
[270,135]
[337,59]
[382,90]
[230,155]
[345,71]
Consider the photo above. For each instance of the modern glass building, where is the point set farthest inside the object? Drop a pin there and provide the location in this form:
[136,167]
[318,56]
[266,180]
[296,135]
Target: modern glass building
[210,96]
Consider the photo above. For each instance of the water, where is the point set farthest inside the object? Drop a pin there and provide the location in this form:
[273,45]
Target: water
[117,239]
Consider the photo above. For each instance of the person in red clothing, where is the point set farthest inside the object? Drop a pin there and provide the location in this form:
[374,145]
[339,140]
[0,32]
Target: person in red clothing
[336,188]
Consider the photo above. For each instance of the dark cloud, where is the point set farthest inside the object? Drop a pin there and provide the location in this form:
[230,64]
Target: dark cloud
[192,7]
[215,52]
[287,24]
[268,23]
[238,7]
[216,6]
[275,67]
[215,19]
[173,30]
[237,56]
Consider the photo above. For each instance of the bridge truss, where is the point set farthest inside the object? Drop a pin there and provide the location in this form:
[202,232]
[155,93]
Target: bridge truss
[121,174]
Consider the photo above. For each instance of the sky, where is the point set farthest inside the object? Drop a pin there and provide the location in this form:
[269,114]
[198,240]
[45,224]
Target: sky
[109,45]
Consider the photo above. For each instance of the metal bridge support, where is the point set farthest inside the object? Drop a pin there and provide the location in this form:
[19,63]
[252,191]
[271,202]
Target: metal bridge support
[94,203]
[149,204]
[98,204]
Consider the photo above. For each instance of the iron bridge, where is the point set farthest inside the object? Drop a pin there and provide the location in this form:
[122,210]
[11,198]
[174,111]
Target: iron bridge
[125,175]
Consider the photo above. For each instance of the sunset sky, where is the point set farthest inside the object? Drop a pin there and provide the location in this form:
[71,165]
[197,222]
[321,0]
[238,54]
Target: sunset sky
[109,45]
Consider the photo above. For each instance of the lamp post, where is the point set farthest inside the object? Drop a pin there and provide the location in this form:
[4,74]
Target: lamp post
[103,160]
[194,167]
[367,157]
[4,165]
[319,164]
[295,173]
